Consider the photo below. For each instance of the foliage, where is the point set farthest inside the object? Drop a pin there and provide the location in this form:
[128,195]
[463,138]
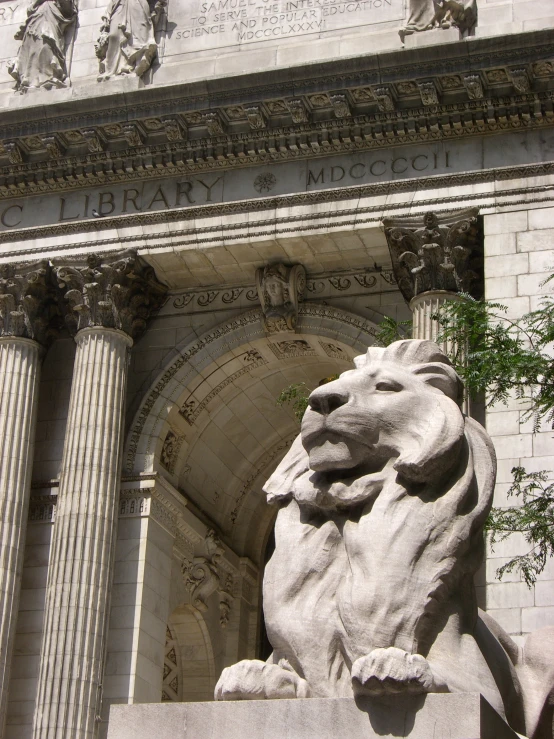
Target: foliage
[534,518]
[297,396]
[498,357]
[391,330]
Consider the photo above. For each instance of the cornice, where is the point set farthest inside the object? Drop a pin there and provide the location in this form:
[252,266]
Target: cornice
[474,87]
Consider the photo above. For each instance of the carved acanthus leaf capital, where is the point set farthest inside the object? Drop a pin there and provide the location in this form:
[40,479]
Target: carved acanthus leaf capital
[280,289]
[436,252]
[119,292]
[28,302]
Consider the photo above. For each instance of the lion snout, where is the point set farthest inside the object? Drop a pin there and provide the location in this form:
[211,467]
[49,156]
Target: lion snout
[325,400]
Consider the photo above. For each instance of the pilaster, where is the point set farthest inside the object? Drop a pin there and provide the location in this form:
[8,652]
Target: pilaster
[27,317]
[109,302]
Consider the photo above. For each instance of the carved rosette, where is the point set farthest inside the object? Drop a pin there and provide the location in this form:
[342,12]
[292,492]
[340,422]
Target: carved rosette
[118,292]
[436,252]
[280,290]
[28,302]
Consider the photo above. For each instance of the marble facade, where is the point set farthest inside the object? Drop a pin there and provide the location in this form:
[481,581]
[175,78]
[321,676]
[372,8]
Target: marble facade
[183,240]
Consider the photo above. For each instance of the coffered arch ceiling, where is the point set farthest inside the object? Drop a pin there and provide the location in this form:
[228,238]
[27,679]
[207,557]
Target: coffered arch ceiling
[211,424]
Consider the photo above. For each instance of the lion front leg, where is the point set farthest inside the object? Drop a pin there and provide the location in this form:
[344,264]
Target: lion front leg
[257,680]
[393,670]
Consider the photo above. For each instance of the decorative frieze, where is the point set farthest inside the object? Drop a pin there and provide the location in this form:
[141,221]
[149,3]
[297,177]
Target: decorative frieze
[280,289]
[28,302]
[118,292]
[436,252]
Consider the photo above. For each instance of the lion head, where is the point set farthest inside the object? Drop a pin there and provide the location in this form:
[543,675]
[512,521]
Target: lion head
[387,450]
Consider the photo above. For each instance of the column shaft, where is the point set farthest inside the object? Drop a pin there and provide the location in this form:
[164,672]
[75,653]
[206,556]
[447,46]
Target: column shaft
[19,378]
[424,306]
[83,541]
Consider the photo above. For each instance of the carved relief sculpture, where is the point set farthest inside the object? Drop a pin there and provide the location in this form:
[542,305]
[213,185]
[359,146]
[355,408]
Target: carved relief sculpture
[280,289]
[201,575]
[436,252]
[40,61]
[382,502]
[126,43]
[425,15]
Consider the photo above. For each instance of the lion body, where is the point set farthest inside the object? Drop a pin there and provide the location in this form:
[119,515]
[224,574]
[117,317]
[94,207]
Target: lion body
[382,502]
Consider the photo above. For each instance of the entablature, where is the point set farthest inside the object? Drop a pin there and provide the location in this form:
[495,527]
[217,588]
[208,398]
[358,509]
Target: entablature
[443,92]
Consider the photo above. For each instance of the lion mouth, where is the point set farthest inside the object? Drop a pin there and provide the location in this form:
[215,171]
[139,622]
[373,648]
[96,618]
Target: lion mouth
[325,478]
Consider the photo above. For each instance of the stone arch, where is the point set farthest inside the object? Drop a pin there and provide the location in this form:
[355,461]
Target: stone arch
[195,659]
[210,422]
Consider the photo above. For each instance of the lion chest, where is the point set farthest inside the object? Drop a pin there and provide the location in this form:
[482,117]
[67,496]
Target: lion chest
[301,585]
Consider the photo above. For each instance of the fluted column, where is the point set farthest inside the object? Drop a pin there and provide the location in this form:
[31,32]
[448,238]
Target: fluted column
[27,304]
[110,302]
[424,307]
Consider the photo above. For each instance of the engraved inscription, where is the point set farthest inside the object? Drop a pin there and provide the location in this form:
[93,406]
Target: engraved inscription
[202,24]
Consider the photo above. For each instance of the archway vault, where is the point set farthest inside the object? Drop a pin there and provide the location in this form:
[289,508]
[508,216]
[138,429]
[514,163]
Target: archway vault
[210,422]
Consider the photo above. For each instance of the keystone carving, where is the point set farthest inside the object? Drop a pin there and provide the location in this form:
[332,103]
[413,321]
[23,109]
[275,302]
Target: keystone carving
[115,292]
[28,302]
[474,86]
[436,252]
[201,575]
[280,289]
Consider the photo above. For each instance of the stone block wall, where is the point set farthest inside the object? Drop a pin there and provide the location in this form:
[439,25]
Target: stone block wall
[519,256]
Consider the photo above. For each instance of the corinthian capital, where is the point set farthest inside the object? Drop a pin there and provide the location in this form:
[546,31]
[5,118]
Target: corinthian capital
[436,252]
[28,302]
[114,291]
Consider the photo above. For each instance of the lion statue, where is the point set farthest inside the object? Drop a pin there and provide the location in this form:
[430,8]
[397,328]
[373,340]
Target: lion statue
[382,503]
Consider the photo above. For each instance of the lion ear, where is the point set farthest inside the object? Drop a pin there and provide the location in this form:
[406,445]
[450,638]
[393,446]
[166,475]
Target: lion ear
[434,446]
[373,354]
[294,463]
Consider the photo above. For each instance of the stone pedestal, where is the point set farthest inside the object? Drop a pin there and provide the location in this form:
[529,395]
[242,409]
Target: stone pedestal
[435,716]
[19,373]
[79,578]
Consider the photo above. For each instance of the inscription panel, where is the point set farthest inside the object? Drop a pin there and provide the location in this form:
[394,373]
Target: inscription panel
[207,24]
[363,168]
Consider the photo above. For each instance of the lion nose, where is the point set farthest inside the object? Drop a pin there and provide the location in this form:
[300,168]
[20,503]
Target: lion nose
[326,401]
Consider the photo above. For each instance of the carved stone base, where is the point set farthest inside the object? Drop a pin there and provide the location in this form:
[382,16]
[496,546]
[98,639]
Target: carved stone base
[434,36]
[435,716]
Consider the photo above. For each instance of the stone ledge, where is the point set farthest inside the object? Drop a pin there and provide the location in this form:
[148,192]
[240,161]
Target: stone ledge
[435,716]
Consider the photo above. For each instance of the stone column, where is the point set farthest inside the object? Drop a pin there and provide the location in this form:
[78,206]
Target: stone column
[27,321]
[435,258]
[109,301]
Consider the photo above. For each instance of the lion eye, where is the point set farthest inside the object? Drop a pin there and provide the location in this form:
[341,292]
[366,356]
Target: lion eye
[387,386]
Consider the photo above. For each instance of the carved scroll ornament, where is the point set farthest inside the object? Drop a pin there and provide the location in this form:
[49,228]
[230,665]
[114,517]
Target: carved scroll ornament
[201,574]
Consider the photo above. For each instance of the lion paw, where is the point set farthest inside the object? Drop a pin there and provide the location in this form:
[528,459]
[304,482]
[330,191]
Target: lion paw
[393,670]
[256,680]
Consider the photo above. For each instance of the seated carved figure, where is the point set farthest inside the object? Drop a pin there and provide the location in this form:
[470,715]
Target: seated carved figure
[370,589]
